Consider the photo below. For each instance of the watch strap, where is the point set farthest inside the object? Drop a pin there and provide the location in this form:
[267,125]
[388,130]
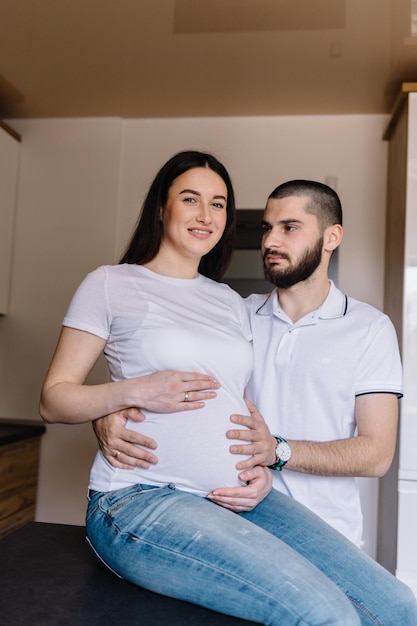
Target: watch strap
[279,463]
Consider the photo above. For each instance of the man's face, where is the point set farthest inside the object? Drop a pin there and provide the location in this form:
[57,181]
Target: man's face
[292,243]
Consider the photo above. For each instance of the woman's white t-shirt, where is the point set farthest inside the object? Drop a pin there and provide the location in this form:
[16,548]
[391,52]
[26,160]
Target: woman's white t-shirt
[152,323]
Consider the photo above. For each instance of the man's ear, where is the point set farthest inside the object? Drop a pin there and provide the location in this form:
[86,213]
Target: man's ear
[332,237]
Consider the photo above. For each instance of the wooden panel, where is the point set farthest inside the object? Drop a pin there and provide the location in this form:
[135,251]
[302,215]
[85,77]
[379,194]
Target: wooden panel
[19,464]
[393,307]
[17,520]
[14,500]
[9,163]
[395,222]
[406,88]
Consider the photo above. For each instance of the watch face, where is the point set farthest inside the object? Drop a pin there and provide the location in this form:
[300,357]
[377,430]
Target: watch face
[283,451]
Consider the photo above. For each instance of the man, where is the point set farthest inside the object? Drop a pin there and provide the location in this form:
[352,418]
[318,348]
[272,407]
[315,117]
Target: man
[327,374]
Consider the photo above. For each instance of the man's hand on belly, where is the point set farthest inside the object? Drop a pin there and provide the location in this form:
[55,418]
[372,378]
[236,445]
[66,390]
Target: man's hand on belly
[261,444]
[238,499]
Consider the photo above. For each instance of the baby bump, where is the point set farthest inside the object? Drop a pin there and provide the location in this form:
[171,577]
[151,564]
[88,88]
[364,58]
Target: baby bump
[193,450]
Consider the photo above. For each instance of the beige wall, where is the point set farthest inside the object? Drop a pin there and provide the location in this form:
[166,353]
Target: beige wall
[81,182]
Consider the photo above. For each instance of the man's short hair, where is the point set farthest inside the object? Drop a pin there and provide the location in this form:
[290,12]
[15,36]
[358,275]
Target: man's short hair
[323,202]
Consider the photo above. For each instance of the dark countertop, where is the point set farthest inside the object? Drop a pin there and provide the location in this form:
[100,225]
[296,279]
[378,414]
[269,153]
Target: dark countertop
[49,576]
[18,430]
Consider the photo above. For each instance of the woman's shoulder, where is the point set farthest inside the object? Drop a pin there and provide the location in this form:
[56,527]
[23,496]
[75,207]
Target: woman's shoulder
[222,288]
[120,268]
[110,271]
[105,277]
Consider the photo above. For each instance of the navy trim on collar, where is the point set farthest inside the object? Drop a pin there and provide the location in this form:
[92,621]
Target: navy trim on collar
[335,305]
[268,300]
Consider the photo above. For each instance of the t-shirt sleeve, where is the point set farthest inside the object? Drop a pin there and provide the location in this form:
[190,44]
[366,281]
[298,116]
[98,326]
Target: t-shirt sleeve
[380,369]
[89,308]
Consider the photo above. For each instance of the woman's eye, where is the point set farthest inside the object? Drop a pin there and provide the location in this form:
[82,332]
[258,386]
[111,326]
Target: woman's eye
[190,200]
[218,205]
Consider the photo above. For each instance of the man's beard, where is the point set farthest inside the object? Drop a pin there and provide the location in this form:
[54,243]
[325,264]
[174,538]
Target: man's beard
[286,278]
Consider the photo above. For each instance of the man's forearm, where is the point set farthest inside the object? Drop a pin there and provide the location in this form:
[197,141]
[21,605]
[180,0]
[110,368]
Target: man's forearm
[357,456]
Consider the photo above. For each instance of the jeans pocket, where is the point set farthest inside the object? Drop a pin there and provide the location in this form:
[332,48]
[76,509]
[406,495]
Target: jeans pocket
[111,502]
[93,503]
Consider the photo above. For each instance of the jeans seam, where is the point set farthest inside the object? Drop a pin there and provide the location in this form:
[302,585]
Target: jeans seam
[364,610]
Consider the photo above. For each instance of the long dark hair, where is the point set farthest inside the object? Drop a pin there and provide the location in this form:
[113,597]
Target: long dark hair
[147,236]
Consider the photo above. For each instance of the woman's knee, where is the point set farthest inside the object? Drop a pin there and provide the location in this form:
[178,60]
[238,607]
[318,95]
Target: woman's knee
[406,604]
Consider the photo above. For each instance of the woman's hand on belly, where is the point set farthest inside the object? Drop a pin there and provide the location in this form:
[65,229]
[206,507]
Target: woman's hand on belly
[239,499]
[169,392]
[261,444]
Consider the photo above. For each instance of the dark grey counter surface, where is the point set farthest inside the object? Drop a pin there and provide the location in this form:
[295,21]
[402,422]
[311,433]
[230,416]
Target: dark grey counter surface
[50,577]
[18,430]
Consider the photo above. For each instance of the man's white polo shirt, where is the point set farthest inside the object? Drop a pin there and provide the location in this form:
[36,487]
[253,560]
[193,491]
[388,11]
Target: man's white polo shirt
[305,381]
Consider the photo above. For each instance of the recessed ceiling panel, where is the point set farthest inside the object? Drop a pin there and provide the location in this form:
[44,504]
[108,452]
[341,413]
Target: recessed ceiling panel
[233,16]
[197,58]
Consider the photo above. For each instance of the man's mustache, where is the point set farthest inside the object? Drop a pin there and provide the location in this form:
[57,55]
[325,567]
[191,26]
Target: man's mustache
[274,252]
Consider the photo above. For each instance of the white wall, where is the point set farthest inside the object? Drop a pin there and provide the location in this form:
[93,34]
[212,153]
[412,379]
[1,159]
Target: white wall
[65,223]
[80,187]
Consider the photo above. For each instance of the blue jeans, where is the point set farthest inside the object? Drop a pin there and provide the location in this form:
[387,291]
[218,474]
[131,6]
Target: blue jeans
[278,564]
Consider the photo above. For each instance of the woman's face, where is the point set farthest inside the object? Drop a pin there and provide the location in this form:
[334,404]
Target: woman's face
[194,216]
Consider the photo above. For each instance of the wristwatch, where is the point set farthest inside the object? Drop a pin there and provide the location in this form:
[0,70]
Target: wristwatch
[282,452]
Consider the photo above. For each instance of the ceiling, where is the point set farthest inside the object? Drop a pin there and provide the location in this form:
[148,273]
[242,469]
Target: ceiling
[191,58]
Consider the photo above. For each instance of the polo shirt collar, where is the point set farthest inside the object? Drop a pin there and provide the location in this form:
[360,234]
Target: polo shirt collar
[334,306]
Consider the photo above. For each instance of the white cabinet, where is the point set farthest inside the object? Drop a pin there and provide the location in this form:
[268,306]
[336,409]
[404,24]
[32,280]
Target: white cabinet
[9,162]
[398,537]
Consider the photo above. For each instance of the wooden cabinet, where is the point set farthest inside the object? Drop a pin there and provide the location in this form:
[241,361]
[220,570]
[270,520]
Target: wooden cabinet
[398,490]
[19,465]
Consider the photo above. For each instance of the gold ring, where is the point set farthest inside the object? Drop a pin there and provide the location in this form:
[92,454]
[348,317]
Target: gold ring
[185,396]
